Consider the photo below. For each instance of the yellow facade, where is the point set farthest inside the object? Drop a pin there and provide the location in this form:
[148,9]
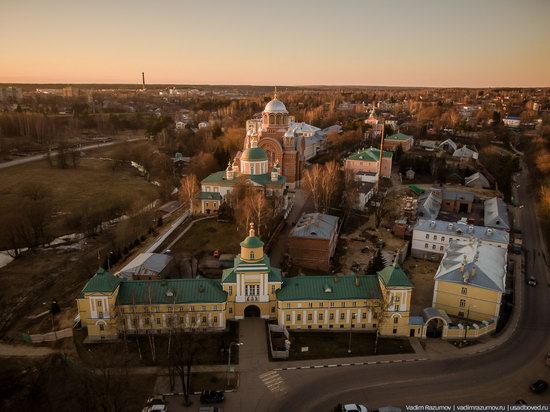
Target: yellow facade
[467,301]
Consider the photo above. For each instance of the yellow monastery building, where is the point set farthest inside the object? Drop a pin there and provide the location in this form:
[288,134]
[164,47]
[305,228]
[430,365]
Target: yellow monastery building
[110,306]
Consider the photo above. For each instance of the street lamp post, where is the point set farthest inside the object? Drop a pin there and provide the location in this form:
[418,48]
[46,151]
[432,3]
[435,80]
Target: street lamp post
[229,360]
[350,330]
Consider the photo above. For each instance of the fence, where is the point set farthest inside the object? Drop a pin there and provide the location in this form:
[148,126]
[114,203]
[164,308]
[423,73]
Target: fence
[49,337]
[279,353]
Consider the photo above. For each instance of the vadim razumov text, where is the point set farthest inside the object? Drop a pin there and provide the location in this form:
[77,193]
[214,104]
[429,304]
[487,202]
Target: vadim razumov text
[475,408]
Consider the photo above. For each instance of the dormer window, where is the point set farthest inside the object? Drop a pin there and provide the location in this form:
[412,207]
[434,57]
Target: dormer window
[251,254]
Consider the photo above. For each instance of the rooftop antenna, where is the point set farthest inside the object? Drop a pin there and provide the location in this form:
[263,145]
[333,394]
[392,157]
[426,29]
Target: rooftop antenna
[143,80]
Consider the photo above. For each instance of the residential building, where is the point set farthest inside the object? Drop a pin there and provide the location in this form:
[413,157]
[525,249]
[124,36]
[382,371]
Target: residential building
[367,160]
[432,202]
[312,242]
[478,181]
[448,145]
[392,142]
[512,121]
[470,280]
[432,237]
[465,153]
[496,214]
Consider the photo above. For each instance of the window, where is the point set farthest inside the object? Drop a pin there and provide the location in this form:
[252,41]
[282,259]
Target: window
[374,325]
[192,308]
[98,303]
[394,331]
[462,303]
[396,320]
[203,308]
[298,317]
[342,316]
[441,248]
[230,310]
[204,319]
[310,305]
[215,319]
[396,308]
[309,317]
[425,246]
[443,238]
[134,322]
[100,315]
[464,291]
[169,308]
[251,254]
[215,307]
[288,318]
[364,316]
[331,304]
[181,308]
[435,237]
[433,247]
[343,304]
[230,290]
[158,321]
[288,305]
[273,309]
[320,316]
[354,304]
[102,327]
[321,304]
[460,314]
[427,235]
[252,290]
[450,239]
[331,317]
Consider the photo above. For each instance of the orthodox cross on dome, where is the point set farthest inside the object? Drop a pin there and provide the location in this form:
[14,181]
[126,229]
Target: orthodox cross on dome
[251,231]
[275,93]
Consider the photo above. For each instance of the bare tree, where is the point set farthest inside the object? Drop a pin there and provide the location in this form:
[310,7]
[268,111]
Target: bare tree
[329,180]
[312,185]
[188,191]
[257,204]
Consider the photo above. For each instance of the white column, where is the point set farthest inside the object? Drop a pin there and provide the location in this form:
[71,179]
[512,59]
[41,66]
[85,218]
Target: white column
[337,315]
[315,316]
[326,316]
[304,319]
[347,316]
[369,316]
[293,317]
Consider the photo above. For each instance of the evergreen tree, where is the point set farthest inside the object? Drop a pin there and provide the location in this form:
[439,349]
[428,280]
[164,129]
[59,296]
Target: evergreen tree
[377,263]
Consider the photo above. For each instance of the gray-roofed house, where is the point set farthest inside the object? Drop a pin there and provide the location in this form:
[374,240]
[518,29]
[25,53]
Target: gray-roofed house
[470,280]
[312,242]
[496,214]
[147,266]
[477,180]
[429,204]
[431,237]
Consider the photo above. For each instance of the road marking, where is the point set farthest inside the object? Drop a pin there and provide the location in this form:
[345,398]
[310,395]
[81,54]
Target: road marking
[318,366]
[266,374]
[344,364]
[332,366]
[384,361]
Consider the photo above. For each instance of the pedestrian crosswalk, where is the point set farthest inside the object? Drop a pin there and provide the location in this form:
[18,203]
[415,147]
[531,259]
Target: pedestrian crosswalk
[274,382]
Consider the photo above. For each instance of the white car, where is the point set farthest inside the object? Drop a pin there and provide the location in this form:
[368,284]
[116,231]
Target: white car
[155,408]
[354,407]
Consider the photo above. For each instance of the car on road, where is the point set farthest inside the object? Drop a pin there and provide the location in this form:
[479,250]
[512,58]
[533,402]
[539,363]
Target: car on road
[532,281]
[210,396]
[156,400]
[539,386]
[155,408]
[354,407]
[209,409]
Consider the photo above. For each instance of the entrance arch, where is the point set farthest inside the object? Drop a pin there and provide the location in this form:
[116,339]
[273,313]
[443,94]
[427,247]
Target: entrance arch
[434,328]
[252,311]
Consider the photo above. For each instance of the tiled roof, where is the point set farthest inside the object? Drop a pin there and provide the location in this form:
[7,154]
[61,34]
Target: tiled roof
[101,282]
[369,155]
[330,287]
[394,276]
[198,290]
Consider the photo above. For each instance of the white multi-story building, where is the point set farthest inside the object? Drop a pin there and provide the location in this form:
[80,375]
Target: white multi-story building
[431,237]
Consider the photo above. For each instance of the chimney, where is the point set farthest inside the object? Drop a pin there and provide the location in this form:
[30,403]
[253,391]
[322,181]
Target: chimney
[357,281]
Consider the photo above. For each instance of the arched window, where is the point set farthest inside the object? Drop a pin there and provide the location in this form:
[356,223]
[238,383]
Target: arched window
[271,119]
[251,254]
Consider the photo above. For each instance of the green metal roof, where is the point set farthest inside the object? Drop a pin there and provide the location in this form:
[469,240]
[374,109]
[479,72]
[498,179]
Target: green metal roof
[394,276]
[417,190]
[209,196]
[330,287]
[263,179]
[101,282]
[229,275]
[157,292]
[252,242]
[254,154]
[399,136]
[369,155]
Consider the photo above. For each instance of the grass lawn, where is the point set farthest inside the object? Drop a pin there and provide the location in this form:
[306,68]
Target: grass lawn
[92,182]
[115,353]
[208,235]
[323,345]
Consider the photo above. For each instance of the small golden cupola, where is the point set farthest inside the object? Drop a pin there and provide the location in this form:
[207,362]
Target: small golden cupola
[252,248]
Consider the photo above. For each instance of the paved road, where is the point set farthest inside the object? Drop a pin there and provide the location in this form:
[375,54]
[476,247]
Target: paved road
[498,376]
[28,159]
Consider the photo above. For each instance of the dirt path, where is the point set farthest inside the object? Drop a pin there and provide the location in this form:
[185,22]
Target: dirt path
[8,351]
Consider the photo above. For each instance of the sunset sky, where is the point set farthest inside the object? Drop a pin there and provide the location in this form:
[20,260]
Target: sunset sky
[477,43]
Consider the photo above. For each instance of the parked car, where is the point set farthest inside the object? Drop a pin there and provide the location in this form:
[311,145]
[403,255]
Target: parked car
[209,409]
[354,407]
[155,408]
[210,396]
[532,281]
[539,386]
[156,400]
